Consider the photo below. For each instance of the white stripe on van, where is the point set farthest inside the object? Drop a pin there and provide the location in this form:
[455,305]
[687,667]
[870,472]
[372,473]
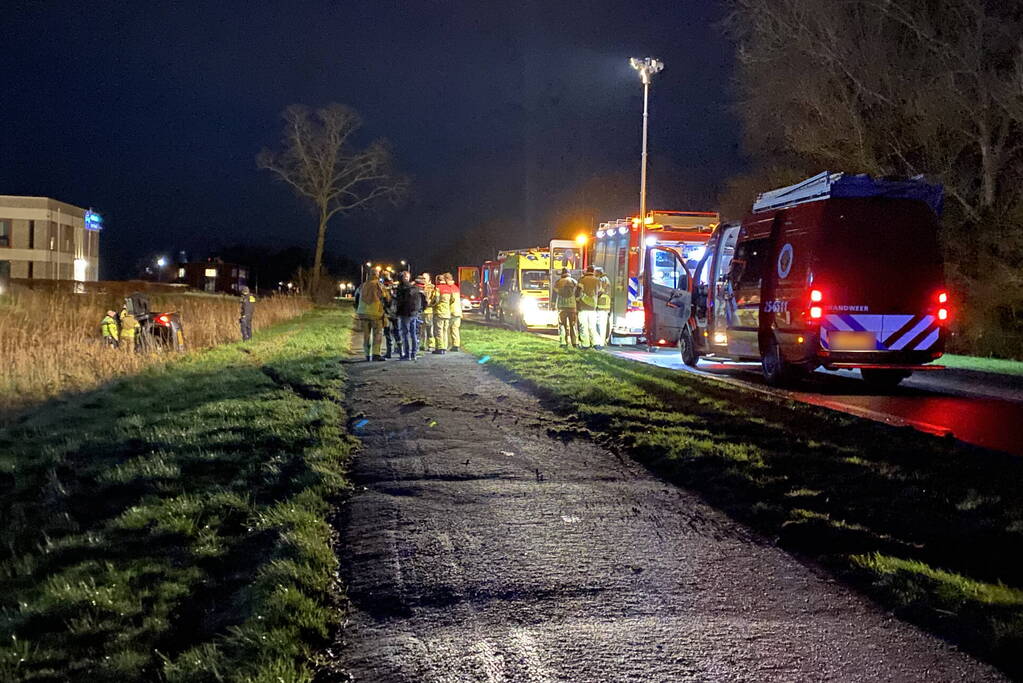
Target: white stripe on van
[929,342]
[908,337]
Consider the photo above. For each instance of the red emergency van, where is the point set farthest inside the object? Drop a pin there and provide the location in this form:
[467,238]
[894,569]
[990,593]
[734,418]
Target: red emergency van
[839,271]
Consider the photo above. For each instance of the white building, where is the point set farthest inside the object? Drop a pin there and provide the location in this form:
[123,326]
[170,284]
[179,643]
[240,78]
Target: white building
[45,239]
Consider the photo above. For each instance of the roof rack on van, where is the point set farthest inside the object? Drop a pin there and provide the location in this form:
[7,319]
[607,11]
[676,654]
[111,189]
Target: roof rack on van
[827,184]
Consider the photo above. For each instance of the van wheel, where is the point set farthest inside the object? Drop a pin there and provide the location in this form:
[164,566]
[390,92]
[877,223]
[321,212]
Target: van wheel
[687,348]
[777,371]
[883,379]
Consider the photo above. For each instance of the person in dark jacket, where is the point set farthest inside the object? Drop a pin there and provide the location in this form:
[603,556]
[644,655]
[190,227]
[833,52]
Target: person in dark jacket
[409,302]
[391,334]
[248,307]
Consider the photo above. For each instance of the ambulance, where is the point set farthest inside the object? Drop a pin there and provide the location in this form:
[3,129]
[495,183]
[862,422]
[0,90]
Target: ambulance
[668,236]
[518,283]
[840,271]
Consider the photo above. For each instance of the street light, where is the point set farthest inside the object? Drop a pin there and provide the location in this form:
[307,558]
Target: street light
[160,263]
[646,68]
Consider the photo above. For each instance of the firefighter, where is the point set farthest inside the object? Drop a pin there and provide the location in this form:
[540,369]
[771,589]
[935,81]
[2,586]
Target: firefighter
[565,299]
[589,290]
[129,329]
[391,332]
[441,316]
[425,324]
[455,330]
[603,307]
[108,327]
[248,307]
[370,298]
[430,292]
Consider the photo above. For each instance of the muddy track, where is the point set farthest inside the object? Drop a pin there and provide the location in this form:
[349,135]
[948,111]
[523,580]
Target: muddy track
[484,543]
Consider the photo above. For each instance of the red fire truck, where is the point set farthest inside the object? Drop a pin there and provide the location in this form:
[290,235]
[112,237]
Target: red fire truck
[839,271]
[616,248]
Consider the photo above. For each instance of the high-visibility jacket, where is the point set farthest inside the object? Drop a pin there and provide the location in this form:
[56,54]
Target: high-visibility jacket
[370,300]
[430,292]
[456,301]
[109,328]
[589,290]
[564,292]
[442,309]
[604,298]
[129,325]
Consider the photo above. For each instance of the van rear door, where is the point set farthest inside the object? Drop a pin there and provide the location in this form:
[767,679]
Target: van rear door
[745,280]
[879,267]
[667,295]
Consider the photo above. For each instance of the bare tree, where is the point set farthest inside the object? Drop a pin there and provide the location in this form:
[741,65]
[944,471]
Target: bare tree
[318,158]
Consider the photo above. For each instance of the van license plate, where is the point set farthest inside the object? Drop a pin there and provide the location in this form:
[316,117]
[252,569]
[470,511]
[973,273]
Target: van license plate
[852,341]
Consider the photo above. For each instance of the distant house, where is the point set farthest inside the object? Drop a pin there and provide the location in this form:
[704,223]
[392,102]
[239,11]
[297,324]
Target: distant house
[46,239]
[213,275]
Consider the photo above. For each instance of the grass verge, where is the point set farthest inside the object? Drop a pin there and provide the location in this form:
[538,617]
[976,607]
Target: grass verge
[171,525]
[931,527]
[978,364]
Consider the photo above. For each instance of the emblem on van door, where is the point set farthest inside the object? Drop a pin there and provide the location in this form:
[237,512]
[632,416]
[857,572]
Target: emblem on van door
[785,261]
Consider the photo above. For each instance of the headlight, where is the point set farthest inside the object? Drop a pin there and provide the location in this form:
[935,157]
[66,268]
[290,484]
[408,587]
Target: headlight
[466,303]
[527,305]
[635,320]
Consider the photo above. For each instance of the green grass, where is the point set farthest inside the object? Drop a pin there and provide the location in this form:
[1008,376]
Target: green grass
[996,365]
[172,525]
[930,527]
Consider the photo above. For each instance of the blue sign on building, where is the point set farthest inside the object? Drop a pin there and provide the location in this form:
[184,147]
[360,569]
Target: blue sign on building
[93,221]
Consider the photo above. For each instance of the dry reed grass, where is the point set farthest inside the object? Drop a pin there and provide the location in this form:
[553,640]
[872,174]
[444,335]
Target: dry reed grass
[50,341]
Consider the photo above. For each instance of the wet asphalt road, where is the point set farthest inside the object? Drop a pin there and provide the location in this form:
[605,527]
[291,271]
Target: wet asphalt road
[480,547]
[980,408]
[984,409]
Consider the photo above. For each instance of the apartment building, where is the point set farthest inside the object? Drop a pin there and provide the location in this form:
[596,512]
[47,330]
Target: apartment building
[46,239]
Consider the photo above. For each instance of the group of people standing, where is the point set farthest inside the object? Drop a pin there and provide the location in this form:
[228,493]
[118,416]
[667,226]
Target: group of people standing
[412,317]
[120,330]
[584,308]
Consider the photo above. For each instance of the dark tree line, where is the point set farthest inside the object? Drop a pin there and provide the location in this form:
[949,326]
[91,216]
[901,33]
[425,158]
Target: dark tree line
[899,88]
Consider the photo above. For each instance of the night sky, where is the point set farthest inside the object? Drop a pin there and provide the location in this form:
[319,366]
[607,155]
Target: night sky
[152,113]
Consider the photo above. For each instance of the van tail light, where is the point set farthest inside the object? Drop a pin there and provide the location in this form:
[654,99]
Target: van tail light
[815,310]
[944,311]
[163,319]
